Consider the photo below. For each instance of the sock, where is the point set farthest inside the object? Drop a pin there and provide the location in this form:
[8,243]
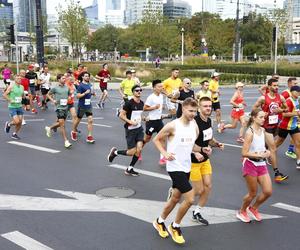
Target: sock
[298,161]
[276,170]
[129,168]
[197,210]
[291,148]
[89,133]
[121,152]
[160,220]
[174,225]
[134,160]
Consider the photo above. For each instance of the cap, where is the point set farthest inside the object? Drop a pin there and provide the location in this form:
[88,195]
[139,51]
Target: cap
[30,66]
[186,80]
[295,88]
[215,74]
[132,71]
[239,84]
[36,65]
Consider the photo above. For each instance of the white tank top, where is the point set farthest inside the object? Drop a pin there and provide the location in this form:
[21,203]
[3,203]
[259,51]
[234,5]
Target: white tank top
[258,145]
[182,146]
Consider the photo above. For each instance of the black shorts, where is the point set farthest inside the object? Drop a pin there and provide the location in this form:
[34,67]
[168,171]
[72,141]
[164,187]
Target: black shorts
[133,136]
[84,111]
[25,101]
[103,88]
[32,89]
[44,91]
[154,126]
[62,113]
[180,180]
[273,131]
[216,105]
[38,87]
[283,133]
[70,106]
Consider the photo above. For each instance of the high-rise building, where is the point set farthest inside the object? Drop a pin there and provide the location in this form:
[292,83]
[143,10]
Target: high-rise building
[176,9]
[6,15]
[295,7]
[209,6]
[136,9]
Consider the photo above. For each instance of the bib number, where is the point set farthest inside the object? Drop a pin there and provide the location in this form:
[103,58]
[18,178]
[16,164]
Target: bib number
[273,119]
[87,102]
[207,134]
[63,102]
[31,81]
[18,99]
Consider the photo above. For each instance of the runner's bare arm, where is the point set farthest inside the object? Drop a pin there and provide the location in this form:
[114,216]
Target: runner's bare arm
[258,104]
[7,91]
[124,118]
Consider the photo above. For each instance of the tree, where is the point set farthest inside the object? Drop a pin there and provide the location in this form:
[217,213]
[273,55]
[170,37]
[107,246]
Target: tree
[73,26]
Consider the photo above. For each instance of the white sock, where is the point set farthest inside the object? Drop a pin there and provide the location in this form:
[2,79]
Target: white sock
[160,220]
[298,161]
[174,225]
[129,168]
[197,210]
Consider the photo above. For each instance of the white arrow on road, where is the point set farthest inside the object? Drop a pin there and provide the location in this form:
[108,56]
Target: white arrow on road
[145,210]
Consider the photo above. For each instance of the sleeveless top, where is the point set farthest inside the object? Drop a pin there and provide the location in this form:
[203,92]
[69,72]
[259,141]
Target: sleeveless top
[270,105]
[15,96]
[239,100]
[181,146]
[257,145]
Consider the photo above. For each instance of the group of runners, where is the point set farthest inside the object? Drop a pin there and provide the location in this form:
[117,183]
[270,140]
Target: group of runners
[185,143]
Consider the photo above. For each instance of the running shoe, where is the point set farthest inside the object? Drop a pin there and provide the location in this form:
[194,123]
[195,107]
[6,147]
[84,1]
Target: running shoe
[240,139]
[102,105]
[48,131]
[67,144]
[162,161]
[90,139]
[254,213]
[297,165]
[221,127]
[291,154]
[74,136]
[34,111]
[279,177]
[99,105]
[39,104]
[243,216]
[117,112]
[7,127]
[15,136]
[23,122]
[176,234]
[131,172]
[112,154]
[160,228]
[198,218]
[170,190]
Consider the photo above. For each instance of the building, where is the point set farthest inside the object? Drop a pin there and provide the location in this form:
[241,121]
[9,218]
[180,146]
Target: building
[137,9]
[209,6]
[295,7]
[176,9]
[6,15]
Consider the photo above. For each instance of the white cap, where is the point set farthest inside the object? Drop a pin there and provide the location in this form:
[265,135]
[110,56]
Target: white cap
[186,80]
[215,74]
[36,65]
[239,84]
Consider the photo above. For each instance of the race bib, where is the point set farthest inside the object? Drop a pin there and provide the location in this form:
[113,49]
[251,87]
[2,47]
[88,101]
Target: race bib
[105,80]
[87,102]
[207,134]
[18,99]
[31,81]
[136,116]
[237,109]
[273,119]
[63,102]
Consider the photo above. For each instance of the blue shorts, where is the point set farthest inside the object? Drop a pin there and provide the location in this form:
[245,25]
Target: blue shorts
[15,111]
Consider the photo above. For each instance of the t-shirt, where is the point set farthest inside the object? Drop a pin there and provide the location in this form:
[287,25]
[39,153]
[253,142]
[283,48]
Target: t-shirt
[31,76]
[201,94]
[61,94]
[106,75]
[127,85]
[6,73]
[269,107]
[286,93]
[85,101]
[15,96]
[25,84]
[45,80]
[205,135]
[72,90]
[134,112]
[290,123]
[153,100]
[172,85]
[213,87]
[182,96]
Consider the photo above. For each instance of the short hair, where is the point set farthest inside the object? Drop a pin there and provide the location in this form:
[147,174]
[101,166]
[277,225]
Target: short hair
[204,81]
[104,65]
[205,99]
[292,79]
[190,102]
[175,69]
[59,76]
[128,72]
[270,81]
[79,65]
[154,82]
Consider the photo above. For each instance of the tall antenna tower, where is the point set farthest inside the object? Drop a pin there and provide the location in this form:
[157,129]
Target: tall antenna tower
[289,29]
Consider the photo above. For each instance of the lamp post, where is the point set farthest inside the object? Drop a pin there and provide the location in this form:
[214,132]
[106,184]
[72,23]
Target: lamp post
[182,45]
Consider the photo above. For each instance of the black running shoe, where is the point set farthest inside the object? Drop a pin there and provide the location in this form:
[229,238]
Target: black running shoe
[6,127]
[198,218]
[131,172]
[15,136]
[112,154]
[99,105]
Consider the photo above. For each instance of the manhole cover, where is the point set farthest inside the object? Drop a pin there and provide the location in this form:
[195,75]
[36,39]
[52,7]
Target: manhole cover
[115,192]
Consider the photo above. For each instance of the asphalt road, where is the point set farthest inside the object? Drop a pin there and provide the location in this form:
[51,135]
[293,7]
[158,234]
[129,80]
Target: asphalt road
[47,199]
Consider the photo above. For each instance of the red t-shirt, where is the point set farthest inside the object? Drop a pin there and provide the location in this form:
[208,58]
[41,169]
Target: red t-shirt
[271,104]
[25,83]
[72,90]
[106,75]
[286,94]
[76,74]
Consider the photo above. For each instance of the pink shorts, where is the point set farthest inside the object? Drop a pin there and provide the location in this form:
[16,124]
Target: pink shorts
[250,169]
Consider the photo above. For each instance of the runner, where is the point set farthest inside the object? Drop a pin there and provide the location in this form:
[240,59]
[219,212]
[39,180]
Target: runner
[264,88]
[14,94]
[33,78]
[84,94]
[214,88]
[238,112]
[289,122]
[184,93]
[180,135]
[272,104]
[292,81]
[154,105]
[103,76]
[38,84]
[6,75]
[26,98]
[201,171]
[171,86]
[71,99]
[77,73]
[44,79]
[204,91]
[131,114]
[125,89]
[254,169]
[60,100]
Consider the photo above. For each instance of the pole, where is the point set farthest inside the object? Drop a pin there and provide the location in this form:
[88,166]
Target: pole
[276,46]
[39,34]
[237,35]
[17,47]
[182,45]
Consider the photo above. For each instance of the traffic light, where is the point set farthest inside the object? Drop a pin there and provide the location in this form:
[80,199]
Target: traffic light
[11,33]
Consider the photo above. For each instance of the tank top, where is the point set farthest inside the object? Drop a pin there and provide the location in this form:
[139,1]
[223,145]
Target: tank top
[271,104]
[239,100]
[15,96]
[181,145]
[257,145]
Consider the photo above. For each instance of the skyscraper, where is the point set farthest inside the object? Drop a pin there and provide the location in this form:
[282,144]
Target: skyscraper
[6,15]
[176,9]
[295,7]
[111,12]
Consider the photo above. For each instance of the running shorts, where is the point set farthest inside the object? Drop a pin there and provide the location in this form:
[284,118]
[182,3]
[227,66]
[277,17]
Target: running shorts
[200,169]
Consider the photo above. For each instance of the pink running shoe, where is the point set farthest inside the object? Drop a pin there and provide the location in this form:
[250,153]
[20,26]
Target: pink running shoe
[254,213]
[243,216]
[162,161]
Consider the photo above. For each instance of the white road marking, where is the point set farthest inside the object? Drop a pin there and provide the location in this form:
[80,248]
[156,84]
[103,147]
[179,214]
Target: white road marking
[287,207]
[24,241]
[34,120]
[145,172]
[135,208]
[232,145]
[96,125]
[22,144]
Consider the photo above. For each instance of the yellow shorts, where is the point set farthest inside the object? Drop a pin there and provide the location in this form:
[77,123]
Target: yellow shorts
[200,169]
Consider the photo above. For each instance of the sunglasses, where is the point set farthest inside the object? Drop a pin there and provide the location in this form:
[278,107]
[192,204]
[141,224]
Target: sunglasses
[138,90]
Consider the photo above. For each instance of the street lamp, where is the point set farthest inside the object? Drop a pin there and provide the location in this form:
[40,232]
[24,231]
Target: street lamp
[182,45]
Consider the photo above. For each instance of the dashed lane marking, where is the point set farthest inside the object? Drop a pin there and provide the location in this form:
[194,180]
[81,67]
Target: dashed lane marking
[27,145]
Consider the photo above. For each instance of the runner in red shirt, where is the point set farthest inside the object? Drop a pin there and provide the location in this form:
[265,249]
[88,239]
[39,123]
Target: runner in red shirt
[103,77]
[272,104]
[25,99]
[77,73]
[71,100]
